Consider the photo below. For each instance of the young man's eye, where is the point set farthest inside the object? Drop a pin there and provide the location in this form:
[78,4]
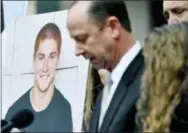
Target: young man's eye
[52,57]
[40,58]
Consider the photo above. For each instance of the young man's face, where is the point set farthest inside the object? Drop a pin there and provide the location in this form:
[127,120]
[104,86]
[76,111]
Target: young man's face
[45,63]
[175,11]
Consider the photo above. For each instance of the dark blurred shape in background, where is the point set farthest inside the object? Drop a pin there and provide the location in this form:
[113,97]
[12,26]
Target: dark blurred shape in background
[157,18]
[2,17]
[47,6]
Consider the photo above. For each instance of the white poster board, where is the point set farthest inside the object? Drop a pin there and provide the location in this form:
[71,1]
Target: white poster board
[72,71]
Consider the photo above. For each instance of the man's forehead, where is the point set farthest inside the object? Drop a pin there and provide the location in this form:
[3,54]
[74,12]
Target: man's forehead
[44,53]
[77,18]
[80,7]
[167,5]
[76,14]
[77,26]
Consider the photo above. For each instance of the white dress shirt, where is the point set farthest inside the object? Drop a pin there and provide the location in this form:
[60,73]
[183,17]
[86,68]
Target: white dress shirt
[116,76]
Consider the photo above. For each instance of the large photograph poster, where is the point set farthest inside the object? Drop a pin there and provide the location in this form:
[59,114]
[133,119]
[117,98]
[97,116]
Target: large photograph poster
[31,64]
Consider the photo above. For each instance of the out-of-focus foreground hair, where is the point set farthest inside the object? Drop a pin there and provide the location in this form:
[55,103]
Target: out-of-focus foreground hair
[165,78]
[94,86]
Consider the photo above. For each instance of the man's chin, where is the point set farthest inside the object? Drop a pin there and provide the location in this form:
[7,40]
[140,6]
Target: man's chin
[43,88]
[97,66]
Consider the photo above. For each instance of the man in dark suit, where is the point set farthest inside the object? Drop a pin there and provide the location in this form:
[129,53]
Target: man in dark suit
[102,32]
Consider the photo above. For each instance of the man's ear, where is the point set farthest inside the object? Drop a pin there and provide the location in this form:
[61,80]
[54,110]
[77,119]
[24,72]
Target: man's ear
[115,26]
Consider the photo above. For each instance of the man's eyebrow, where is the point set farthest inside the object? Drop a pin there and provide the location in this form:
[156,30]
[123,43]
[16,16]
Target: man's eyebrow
[40,54]
[76,35]
[53,53]
[176,7]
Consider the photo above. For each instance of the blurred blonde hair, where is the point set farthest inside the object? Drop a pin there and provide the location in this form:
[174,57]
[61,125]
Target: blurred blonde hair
[94,85]
[165,78]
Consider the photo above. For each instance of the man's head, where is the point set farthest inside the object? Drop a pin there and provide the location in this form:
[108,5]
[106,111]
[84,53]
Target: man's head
[175,11]
[46,56]
[96,27]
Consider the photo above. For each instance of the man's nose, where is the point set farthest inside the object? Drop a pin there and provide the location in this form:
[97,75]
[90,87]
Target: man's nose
[79,50]
[45,66]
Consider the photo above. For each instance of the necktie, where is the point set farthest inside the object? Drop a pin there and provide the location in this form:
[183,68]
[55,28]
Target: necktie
[105,100]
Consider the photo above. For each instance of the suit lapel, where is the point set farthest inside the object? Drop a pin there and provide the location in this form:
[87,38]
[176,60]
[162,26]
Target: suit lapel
[121,91]
[113,107]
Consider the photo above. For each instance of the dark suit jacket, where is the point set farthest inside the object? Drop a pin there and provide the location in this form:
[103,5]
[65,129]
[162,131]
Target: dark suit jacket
[120,116]
[180,122]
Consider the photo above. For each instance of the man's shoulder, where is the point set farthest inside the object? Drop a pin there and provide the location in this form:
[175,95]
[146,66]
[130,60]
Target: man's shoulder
[18,105]
[59,97]
[136,67]
[60,104]
[22,99]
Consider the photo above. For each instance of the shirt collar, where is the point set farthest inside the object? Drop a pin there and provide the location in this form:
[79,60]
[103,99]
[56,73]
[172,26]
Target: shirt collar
[124,62]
